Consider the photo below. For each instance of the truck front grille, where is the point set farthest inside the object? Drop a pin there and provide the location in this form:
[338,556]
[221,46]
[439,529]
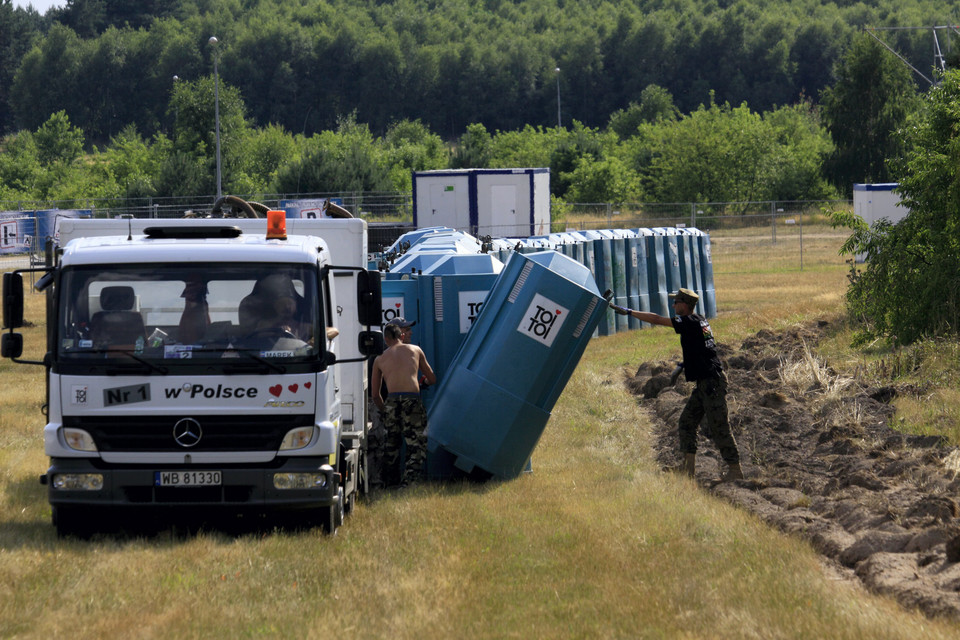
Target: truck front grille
[218,433]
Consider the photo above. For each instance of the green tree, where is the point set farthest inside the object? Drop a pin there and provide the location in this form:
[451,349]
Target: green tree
[607,180]
[17,30]
[20,168]
[656,104]
[796,160]
[57,141]
[909,287]
[348,159]
[411,146]
[870,100]
[716,154]
[193,107]
[474,151]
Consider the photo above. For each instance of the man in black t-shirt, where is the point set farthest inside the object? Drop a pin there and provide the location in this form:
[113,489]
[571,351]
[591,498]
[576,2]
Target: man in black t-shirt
[701,366]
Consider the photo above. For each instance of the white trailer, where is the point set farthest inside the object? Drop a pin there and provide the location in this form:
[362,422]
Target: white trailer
[873,202]
[494,202]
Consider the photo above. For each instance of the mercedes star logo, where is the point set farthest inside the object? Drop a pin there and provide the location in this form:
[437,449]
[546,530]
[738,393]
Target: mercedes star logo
[187,432]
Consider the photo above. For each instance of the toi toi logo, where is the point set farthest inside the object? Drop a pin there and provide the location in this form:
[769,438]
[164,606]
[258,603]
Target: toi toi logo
[543,320]
[392,308]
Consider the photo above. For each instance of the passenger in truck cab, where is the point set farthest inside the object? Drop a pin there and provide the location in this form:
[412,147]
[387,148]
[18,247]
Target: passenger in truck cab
[196,312]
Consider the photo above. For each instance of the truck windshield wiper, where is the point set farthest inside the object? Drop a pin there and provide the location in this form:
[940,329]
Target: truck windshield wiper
[124,366]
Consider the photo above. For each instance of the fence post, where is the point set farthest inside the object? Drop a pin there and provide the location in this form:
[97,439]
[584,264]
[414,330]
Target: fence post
[800,221]
[773,221]
[693,215]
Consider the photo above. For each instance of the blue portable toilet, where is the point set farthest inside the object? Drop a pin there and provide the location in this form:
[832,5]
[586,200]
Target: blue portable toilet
[671,257]
[452,294]
[401,299]
[490,410]
[638,286]
[709,296]
[656,273]
[412,237]
[458,241]
[690,264]
[603,249]
[415,262]
[618,268]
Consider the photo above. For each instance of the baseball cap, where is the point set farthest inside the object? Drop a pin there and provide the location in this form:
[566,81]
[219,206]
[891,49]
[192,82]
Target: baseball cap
[402,323]
[686,295]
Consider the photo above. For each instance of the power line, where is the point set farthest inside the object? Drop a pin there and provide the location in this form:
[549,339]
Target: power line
[938,59]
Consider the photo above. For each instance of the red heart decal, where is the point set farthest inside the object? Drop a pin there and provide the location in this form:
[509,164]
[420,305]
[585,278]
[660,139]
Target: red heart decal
[293,388]
[397,305]
[276,390]
[558,311]
[307,385]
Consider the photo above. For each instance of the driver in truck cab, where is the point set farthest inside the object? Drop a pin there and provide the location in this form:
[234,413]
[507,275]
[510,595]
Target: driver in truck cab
[274,306]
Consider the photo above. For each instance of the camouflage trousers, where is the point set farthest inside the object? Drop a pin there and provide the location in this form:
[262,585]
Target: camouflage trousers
[708,403]
[405,421]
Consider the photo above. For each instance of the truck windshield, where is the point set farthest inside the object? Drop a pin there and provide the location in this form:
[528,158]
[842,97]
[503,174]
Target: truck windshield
[177,312]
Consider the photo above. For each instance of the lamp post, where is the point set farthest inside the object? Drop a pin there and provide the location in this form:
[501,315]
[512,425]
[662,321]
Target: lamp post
[216,106]
[557,71]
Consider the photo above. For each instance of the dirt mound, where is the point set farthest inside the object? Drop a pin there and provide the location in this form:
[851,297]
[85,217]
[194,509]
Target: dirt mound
[821,461]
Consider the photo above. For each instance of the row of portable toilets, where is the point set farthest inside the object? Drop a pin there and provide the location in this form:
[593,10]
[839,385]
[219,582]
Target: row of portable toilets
[504,322]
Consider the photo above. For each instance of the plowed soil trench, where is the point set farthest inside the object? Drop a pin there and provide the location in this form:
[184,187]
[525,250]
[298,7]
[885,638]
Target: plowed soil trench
[822,462]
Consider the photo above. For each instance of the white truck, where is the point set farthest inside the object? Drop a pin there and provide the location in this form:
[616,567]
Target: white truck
[205,364]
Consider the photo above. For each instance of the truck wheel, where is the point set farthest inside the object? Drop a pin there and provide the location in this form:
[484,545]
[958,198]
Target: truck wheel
[332,517]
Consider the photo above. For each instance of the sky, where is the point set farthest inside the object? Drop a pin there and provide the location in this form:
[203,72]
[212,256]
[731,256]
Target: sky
[40,5]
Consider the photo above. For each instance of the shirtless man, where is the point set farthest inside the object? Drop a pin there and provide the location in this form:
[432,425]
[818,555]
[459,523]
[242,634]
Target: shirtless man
[404,417]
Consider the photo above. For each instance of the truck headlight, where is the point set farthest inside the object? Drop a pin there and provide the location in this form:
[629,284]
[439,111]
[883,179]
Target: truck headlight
[297,438]
[77,481]
[299,480]
[79,439]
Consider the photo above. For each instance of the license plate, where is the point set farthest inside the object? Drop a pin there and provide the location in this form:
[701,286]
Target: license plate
[187,478]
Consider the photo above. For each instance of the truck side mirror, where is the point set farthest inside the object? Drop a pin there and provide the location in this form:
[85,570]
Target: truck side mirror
[371,343]
[12,301]
[11,345]
[368,298]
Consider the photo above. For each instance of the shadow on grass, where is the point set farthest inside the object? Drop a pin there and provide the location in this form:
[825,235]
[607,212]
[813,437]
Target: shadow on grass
[164,525]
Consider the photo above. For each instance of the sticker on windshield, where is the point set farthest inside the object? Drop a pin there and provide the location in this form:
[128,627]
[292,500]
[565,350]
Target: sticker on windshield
[277,354]
[178,351]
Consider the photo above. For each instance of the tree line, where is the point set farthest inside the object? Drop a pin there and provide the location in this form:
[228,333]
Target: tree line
[676,101]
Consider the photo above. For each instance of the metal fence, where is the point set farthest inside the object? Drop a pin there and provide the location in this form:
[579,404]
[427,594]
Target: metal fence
[746,236]
[379,205]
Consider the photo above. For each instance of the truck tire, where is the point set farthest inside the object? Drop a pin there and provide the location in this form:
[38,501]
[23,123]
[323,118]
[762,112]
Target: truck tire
[332,517]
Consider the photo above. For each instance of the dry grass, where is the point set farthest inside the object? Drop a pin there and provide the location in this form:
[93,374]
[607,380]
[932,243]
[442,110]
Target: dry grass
[596,542]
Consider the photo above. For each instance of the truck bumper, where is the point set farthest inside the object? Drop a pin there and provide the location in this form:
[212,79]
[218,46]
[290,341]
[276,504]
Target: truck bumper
[240,488]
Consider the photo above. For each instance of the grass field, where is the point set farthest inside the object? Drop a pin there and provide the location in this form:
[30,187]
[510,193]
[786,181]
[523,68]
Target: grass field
[596,542]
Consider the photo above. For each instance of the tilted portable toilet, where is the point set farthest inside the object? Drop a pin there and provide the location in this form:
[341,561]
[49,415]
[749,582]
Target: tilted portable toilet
[490,410]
